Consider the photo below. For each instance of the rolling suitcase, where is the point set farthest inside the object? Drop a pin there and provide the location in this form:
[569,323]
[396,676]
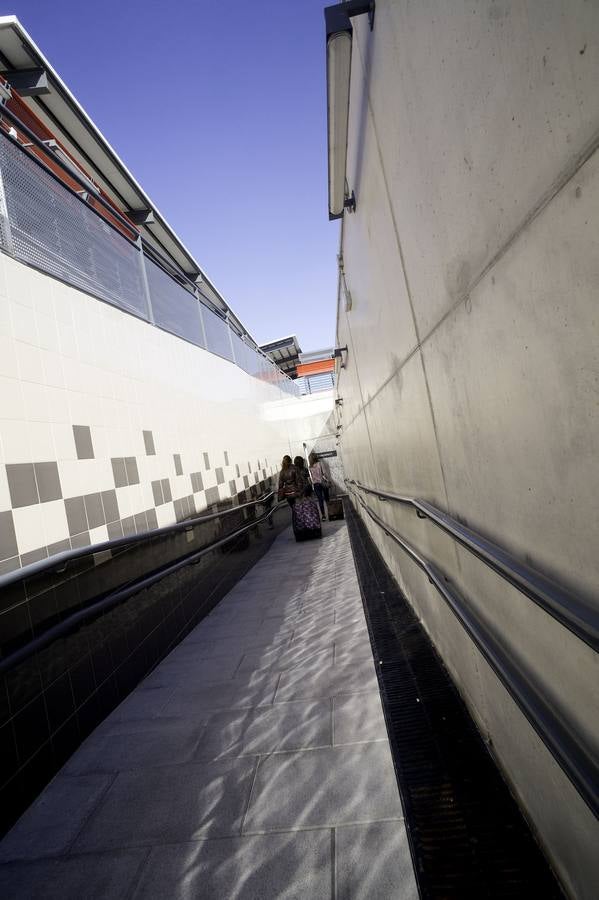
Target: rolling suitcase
[335,508]
[306,520]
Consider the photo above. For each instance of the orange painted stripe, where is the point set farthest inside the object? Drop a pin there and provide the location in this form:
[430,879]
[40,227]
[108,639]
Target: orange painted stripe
[316,368]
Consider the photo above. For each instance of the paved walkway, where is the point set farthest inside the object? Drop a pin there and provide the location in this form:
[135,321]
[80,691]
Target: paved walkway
[252,763]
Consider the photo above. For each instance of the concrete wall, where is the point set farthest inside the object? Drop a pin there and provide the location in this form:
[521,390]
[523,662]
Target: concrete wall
[109,425]
[472,377]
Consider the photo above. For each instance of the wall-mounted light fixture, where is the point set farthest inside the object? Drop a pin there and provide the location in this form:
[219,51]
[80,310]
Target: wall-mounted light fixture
[339,43]
[339,401]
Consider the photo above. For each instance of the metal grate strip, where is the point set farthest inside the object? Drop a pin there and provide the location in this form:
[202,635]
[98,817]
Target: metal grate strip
[467,835]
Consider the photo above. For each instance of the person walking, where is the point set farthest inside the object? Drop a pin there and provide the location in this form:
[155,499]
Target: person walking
[303,476]
[289,486]
[319,480]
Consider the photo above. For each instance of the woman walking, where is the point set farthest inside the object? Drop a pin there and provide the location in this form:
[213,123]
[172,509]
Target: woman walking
[289,486]
[319,480]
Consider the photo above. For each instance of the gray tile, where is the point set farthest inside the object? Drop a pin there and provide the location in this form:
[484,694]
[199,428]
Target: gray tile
[53,820]
[9,565]
[80,540]
[166,490]
[290,726]
[174,803]
[226,457]
[177,461]
[192,505]
[206,461]
[131,468]
[232,488]
[157,492]
[76,517]
[22,484]
[389,871]
[128,524]
[48,481]
[83,441]
[246,481]
[258,867]
[237,472]
[220,478]
[110,505]
[115,530]
[152,519]
[34,556]
[212,496]
[109,876]
[167,743]
[59,547]
[324,787]
[119,471]
[141,522]
[358,717]
[197,482]
[8,539]
[94,510]
[149,444]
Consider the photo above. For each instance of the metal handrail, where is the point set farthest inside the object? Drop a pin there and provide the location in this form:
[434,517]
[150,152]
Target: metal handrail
[60,560]
[573,612]
[113,599]
[577,761]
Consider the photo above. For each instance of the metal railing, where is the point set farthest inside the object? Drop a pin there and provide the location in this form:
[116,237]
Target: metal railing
[56,229]
[63,566]
[562,739]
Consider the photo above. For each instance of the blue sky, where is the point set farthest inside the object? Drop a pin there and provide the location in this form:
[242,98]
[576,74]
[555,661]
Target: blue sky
[219,111]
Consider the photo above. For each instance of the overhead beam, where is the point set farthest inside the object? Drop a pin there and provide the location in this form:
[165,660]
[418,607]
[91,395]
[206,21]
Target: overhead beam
[140,216]
[28,82]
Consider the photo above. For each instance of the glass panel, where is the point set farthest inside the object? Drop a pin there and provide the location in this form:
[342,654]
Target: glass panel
[54,231]
[175,309]
[217,333]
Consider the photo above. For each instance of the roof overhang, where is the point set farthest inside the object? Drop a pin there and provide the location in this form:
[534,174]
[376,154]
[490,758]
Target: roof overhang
[55,105]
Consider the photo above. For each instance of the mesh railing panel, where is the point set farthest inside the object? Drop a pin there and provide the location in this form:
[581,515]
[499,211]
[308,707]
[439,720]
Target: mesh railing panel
[54,231]
[217,333]
[175,309]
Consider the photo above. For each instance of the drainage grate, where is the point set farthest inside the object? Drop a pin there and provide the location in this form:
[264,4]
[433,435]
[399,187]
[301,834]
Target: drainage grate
[468,837]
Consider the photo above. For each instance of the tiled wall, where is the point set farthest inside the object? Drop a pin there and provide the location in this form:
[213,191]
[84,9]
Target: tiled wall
[109,426]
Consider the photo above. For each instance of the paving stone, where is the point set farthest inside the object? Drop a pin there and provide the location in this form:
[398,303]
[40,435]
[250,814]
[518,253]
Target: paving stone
[190,672]
[143,703]
[289,726]
[102,876]
[374,861]
[263,867]
[358,717]
[318,678]
[178,803]
[168,743]
[355,783]
[53,821]
[254,689]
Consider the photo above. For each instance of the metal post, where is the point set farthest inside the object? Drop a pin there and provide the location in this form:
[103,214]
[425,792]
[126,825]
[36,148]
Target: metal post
[198,295]
[144,279]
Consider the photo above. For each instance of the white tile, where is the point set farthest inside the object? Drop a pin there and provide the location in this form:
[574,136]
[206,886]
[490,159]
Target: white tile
[6,327]
[71,478]
[17,283]
[8,356]
[15,441]
[67,340]
[29,527]
[58,405]
[47,331]
[24,324]
[165,514]
[64,442]
[52,368]
[29,361]
[55,522]
[97,535]
[11,399]
[35,402]
[40,441]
